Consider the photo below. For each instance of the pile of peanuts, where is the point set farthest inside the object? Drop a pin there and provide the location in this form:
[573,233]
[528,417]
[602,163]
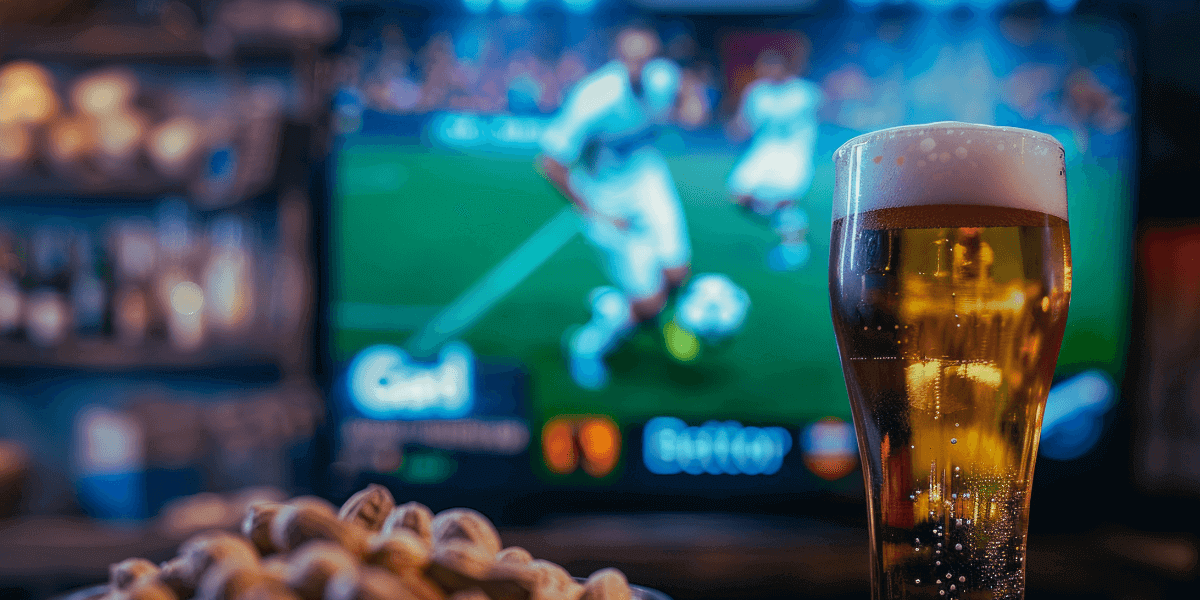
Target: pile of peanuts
[371,549]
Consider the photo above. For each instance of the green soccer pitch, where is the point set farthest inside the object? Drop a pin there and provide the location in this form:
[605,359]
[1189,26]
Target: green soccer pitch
[413,230]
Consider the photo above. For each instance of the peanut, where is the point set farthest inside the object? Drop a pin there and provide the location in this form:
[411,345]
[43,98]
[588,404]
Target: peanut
[413,516]
[607,584]
[399,551]
[515,555]
[547,581]
[229,581]
[300,522]
[312,566]
[466,524]
[369,508]
[459,565]
[122,575]
[257,526]
[199,554]
[369,583]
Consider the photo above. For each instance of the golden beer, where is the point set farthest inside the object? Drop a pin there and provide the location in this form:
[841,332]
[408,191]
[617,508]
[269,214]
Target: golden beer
[949,290]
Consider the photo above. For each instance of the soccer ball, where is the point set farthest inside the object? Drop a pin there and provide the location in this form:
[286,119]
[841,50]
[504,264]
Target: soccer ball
[713,308]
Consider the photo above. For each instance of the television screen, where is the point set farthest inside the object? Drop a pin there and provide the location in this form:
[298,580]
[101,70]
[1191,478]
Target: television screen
[668,331]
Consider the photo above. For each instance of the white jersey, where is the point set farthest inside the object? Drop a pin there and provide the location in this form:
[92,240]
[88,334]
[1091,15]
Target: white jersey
[779,163]
[604,132]
[782,112]
[603,122]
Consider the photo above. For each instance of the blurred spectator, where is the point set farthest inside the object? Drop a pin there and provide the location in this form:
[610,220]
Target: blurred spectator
[1015,78]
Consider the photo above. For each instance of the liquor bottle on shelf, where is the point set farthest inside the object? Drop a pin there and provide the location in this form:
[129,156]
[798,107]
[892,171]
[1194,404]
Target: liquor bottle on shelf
[89,294]
[135,248]
[11,296]
[176,291]
[228,277]
[47,314]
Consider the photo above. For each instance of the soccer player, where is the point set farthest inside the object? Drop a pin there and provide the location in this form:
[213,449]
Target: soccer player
[598,153]
[780,110]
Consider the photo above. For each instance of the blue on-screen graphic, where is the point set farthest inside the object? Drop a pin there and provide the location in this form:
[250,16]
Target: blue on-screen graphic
[385,382]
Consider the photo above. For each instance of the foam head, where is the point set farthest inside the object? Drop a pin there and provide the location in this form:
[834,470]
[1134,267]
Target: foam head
[950,163]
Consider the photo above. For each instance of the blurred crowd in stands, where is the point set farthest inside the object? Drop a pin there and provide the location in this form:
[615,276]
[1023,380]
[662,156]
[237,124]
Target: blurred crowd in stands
[1013,71]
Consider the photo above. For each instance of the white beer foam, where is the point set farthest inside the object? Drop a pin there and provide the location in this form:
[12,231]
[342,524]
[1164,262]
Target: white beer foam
[950,163]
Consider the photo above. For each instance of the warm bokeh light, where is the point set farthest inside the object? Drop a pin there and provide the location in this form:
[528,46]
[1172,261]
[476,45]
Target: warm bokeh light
[71,138]
[600,440]
[132,316]
[558,446]
[104,93]
[46,320]
[187,298]
[173,145]
[26,94]
[120,133]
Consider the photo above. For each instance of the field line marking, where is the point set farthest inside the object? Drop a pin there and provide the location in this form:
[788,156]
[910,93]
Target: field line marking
[465,311]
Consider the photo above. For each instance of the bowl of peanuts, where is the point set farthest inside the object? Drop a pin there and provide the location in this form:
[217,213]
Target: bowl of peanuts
[369,549]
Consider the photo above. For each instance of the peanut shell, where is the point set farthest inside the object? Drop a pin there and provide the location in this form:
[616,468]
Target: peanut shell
[468,525]
[413,516]
[369,508]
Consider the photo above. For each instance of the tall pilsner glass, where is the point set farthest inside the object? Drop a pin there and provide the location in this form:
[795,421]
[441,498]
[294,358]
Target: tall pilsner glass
[949,280]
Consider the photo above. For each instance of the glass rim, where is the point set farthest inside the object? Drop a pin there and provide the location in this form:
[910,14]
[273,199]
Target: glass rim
[1002,129]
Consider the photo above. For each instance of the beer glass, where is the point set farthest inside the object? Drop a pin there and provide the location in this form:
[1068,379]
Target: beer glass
[949,280]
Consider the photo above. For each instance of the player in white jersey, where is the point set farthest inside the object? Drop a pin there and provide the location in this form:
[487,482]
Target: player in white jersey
[598,153]
[780,110]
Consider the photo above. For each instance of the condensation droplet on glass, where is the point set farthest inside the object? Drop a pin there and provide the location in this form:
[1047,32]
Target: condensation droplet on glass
[962,578]
[938,563]
[947,575]
[939,582]
[953,440]
[941,592]
[918,582]
[939,545]
[956,425]
[957,469]
[958,522]
[952,587]
[958,546]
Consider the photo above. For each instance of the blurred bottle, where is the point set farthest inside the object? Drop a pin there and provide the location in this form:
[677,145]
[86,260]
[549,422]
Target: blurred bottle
[135,249]
[47,315]
[181,298]
[89,294]
[228,279]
